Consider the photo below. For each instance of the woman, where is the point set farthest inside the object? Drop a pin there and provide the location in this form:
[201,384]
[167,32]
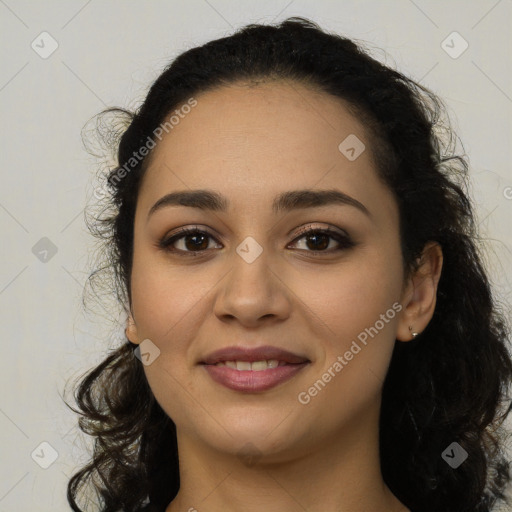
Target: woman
[309,324]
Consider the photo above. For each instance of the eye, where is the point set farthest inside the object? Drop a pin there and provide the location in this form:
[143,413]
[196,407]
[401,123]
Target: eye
[318,240]
[193,240]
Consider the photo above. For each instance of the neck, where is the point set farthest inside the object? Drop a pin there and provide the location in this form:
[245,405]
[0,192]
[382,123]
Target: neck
[342,475]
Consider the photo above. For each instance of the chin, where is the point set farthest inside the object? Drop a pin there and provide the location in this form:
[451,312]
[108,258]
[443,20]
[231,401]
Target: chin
[254,435]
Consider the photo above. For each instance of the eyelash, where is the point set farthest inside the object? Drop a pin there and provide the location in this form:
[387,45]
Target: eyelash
[344,241]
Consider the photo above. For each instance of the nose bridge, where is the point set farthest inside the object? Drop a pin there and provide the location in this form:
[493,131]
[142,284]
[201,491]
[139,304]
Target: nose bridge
[252,274]
[252,288]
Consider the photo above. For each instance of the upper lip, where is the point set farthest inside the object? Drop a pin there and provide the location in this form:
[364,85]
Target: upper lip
[253,354]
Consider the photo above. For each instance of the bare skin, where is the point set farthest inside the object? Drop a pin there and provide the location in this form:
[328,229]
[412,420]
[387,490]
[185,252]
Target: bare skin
[268,450]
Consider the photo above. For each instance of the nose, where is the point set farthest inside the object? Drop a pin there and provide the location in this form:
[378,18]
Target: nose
[253,292]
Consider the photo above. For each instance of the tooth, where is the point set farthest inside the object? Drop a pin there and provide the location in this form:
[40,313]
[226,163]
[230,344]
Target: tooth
[246,365]
[259,365]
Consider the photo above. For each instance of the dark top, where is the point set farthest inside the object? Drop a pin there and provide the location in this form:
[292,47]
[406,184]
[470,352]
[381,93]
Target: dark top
[152,508]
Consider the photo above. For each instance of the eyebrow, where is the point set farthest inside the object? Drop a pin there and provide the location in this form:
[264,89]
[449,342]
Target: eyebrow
[286,201]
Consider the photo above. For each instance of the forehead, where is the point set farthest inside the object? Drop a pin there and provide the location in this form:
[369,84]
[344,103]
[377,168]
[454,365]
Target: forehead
[290,115]
[263,139]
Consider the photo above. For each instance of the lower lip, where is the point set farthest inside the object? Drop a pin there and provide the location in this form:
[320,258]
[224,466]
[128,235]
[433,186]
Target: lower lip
[250,380]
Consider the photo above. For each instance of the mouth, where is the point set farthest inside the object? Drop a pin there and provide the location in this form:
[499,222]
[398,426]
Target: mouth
[253,370]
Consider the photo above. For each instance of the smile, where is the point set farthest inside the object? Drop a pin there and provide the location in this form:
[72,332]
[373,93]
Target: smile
[253,369]
[254,366]
[252,377]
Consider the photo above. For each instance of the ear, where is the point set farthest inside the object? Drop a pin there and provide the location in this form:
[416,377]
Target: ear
[131,330]
[420,292]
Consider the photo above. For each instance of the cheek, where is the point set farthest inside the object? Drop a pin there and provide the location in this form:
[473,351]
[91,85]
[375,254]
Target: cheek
[357,309]
[164,299]
[356,317]
[347,299]
[169,309]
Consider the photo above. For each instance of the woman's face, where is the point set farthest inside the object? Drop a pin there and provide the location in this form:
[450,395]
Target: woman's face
[258,280]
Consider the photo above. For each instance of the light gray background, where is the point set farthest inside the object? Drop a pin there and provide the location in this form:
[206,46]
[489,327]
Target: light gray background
[108,53]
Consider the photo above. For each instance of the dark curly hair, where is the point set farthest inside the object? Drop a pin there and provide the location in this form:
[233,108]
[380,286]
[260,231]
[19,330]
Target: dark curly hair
[451,384]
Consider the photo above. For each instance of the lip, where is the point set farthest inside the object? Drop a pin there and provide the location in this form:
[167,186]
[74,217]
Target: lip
[249,380]
[253,381]
[253,354]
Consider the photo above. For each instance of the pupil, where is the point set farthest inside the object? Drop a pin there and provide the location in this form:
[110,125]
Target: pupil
[315,237]
[194,246]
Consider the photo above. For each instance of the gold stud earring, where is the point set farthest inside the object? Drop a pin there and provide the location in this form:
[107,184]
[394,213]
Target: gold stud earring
[414,334]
